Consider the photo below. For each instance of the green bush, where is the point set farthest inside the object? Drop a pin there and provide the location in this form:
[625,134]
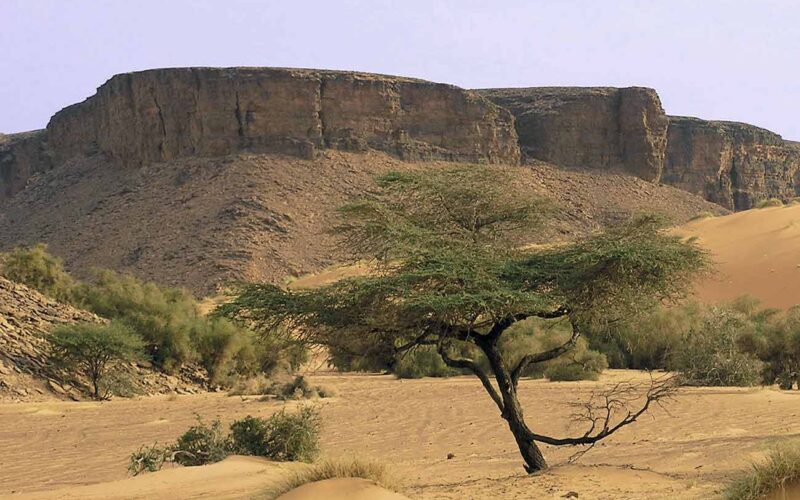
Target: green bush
[286,436]
[582,365]
[202,444]
[423,361]
[36,268]
[93,350]
[710,353]
[780,469]
[776,342]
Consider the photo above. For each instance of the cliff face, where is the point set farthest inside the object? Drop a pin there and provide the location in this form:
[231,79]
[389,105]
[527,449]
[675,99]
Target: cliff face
[733,164]
[595,127]
[160,115]
[21,156]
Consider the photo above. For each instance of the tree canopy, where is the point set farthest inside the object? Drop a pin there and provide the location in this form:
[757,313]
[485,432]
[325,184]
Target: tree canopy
[452,263]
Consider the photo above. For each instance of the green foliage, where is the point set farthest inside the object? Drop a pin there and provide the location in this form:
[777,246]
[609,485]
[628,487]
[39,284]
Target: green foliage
[93,350]
[148,459]
[290,437]
[202,444]
[36,268]
[710,353]
[775,340]
[780,469]
[423,361]
[175,332]
[282,437]
[771,202]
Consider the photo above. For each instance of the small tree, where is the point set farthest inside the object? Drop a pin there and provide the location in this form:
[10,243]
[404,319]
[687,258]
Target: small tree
[36,268]
[452,267]
[93,350]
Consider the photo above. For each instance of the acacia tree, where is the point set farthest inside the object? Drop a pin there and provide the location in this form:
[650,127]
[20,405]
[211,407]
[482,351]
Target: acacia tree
[450,266]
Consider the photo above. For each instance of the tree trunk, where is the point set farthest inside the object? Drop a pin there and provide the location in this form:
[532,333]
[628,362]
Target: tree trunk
[512,411]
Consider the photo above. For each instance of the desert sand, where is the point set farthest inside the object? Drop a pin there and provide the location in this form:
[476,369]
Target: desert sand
[758,253]
[80,450]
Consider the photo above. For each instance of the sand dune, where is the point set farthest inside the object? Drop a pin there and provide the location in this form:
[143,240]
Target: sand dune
[758,253]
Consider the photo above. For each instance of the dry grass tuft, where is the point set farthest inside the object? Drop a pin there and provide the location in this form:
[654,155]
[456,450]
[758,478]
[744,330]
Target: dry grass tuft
[332,469]
[781,468]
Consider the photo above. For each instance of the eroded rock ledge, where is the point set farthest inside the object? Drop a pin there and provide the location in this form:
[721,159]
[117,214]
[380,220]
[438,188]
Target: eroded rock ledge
[159,115]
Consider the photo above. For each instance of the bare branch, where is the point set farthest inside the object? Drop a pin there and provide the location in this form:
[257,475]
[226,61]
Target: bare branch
[541,357]
[608,411]
[466,363]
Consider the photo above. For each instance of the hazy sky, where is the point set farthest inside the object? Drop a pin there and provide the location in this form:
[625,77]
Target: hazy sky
[718,59]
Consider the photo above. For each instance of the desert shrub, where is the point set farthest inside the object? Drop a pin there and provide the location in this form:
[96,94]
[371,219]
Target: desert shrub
[93,350]
[776,342]
[780,468]
[148,459]
[703,215]
[771,202]
[710,352]
[647,342]
[282,437]
[202,444]
[36,268]
[175,332]
[422,361]
[582,364]
[536,335]
[377,473]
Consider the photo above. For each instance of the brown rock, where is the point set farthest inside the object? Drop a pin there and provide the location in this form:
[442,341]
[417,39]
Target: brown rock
[623,129]
[733,164]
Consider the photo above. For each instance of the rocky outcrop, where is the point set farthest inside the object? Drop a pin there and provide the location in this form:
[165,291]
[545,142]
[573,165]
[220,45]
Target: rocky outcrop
[21,157]
[159,115]
[620,129]
[733,164]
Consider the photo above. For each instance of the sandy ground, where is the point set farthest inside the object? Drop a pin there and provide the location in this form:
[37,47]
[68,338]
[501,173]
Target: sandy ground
[758,253]
[61,449]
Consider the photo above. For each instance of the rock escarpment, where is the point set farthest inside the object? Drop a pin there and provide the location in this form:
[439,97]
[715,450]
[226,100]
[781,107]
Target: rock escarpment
[160,115]
[622,129]
[733,164]
[21,157]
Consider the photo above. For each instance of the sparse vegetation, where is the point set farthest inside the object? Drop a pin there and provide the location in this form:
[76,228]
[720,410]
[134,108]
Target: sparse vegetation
[168,320]
[93,350]
[282,437]
[202,444]
[148,459]
[710,354]
[780,469]
[36,268]
[331,469]
[771,202]
[702,215]
[452,269]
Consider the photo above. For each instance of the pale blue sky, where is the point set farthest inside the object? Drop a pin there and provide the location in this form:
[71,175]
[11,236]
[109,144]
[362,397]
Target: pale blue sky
[717,59]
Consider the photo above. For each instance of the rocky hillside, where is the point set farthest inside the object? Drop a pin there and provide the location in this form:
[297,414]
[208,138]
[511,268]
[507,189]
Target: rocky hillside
[207,222]
[25,316]
[733,164]
[200,176]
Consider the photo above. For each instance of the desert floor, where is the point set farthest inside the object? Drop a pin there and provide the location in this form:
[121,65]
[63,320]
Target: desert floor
[689,450]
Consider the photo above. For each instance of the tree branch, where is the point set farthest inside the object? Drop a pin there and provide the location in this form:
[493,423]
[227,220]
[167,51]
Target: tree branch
[600,411]
[466,363]
[541,357]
